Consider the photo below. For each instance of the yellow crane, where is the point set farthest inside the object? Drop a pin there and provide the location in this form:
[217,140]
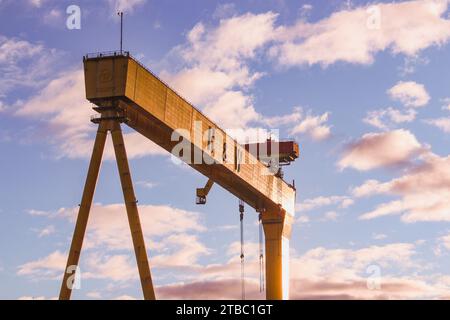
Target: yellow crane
[124,91]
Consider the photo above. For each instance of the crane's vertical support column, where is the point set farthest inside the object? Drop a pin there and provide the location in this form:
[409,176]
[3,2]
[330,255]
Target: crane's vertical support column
[83,213]
[132,212]
[277,230]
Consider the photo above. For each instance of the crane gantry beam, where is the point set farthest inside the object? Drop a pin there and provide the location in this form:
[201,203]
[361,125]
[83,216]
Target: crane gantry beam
[124,90]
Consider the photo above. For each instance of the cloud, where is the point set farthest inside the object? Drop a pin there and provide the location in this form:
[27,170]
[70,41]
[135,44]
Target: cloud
[294,117]
[48,230]
[301,289]
[370,187]
[183,248]
[51,266]
[198,83]
[303,219]
[306,9]
[215,73]
[224,10]
[445,241]
[146,184]
[125,297]
[441,123]
[385,119]
[36,3]
[350,36]
[217,289]
[112,267]
[227,47]
[410,94]
[379,236]
[313,126]
[392,288]
[346,264]
[347,33]
[410,64]
[322,273]
[108,224]
[24,64]
[63,114]
[446,105]
[239,110]
[37,212]
[127,6]
[375,150]
[330,216]
[393,207]
[54,17]
[171,236]
[318,273]
[94,295]
[36,298]
[318,202]
[424,192]
[300,122]
[181,251]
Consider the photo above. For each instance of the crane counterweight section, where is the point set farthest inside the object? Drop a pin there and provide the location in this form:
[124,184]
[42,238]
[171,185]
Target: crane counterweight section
[284,152]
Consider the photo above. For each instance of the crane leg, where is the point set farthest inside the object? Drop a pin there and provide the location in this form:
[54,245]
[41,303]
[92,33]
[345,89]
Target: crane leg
[83,213]
[277,231]
[132,212]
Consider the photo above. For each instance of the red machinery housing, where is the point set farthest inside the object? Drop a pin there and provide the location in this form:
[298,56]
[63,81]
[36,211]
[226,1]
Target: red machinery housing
[286,151]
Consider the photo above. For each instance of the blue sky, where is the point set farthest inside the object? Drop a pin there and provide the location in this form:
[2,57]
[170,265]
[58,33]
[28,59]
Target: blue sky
[364,87]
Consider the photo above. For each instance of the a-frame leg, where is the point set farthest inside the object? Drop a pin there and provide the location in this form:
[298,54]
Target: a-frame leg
[132,212]
[83,213]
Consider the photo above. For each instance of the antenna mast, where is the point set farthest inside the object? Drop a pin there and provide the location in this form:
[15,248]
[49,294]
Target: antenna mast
[120,13]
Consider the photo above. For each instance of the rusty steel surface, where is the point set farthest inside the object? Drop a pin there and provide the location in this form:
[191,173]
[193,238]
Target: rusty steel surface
[155,110]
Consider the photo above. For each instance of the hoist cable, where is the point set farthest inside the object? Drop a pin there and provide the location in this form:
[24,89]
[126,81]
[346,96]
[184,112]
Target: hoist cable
[241,210]
[261,256]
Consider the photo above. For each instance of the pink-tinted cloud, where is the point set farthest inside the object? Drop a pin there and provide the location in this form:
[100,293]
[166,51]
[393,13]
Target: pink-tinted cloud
[441,123]
[315,127]
[357,35]
[313,203]
[424,192]
[322,273]
[216,75]
[385,119]
[63,113]
[50,266]
[171,236]
[376,150]
[127,6]
[223,289]
[410,94]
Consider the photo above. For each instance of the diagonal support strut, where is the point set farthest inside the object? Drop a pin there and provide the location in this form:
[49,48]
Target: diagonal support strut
[86,204]
[132,212]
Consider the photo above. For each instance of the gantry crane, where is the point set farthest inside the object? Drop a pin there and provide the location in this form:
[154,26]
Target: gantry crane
[124,91]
